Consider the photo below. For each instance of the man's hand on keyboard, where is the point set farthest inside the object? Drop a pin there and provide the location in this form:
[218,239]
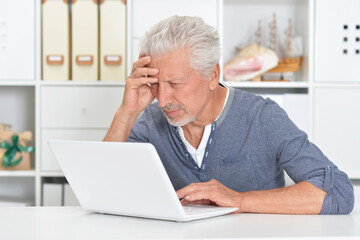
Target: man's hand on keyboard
[210,193]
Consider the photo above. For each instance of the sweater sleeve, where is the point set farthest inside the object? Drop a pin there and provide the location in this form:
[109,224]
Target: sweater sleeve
[140,129]
[303,161]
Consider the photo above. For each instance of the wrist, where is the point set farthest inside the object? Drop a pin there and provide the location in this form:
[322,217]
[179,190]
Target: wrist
[241,202]
[126,116]
[121,125]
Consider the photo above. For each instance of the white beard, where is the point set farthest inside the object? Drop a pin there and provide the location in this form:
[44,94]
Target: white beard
[185,120]
[182,122]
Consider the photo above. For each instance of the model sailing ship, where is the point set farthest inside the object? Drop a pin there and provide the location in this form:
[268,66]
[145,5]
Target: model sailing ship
[256,62]
[289,63]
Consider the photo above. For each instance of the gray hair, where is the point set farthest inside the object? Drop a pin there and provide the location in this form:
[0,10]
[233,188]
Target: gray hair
[190,33]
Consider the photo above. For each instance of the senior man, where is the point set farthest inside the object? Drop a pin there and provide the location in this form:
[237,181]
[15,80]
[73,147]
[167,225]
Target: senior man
[220,145]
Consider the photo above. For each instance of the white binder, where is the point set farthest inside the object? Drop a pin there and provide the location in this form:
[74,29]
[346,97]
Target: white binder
[55,40]
[112,40]
[84,34]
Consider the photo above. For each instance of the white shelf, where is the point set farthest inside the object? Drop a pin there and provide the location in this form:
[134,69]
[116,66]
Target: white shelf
[14,173]
[82,83]
[337,85]
[17,83]
[51,174]
[267,84]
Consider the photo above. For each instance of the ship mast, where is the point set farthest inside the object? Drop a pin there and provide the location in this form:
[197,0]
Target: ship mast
[272,40]
[258,34]
[289,39]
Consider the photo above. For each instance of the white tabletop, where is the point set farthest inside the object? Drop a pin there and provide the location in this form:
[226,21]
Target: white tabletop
[75,223]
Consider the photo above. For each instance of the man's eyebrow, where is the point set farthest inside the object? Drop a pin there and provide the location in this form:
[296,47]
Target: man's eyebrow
[174,79]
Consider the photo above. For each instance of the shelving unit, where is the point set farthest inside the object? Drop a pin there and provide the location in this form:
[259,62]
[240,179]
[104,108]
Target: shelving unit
[235,20]
[30,173]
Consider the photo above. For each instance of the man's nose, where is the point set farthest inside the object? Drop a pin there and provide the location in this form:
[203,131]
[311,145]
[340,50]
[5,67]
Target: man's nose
[164,95]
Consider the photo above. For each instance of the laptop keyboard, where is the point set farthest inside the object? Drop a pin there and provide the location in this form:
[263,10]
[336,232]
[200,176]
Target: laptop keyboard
[192,209]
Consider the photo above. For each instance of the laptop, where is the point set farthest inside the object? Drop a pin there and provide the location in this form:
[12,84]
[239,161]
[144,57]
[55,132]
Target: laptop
[124,178]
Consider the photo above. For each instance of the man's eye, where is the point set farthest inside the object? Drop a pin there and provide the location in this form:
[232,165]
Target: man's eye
[174,85]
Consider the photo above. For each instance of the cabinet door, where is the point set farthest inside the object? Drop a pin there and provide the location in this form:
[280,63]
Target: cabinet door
[79,107]
[17,40]
[336,126]
[48,161]
[337,41]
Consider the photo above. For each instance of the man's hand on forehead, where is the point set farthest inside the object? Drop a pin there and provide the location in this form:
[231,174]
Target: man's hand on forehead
[142,72]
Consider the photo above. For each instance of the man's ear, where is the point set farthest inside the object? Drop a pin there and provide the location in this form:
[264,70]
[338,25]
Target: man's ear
[215,77]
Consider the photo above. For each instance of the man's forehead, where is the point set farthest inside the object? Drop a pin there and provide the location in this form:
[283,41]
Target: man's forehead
[170,76]
[172,70]
[175,57]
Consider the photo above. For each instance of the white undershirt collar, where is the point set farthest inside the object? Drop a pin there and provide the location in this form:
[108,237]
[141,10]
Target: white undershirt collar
[198,154]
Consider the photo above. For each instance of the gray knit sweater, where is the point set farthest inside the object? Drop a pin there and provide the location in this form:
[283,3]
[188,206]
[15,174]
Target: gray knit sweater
[250,146]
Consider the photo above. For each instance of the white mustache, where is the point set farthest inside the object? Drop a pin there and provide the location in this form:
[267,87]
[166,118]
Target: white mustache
[172,107]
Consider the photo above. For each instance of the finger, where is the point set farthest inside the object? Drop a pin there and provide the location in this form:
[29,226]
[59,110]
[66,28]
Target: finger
[184,202]
[142,62]
[201,195]
[189,189]
[214,197]
[137,82]
[143,72]
[201,202]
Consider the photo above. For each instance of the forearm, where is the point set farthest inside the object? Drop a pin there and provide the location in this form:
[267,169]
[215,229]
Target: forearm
[137,97]
[301,198]
[120,127]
